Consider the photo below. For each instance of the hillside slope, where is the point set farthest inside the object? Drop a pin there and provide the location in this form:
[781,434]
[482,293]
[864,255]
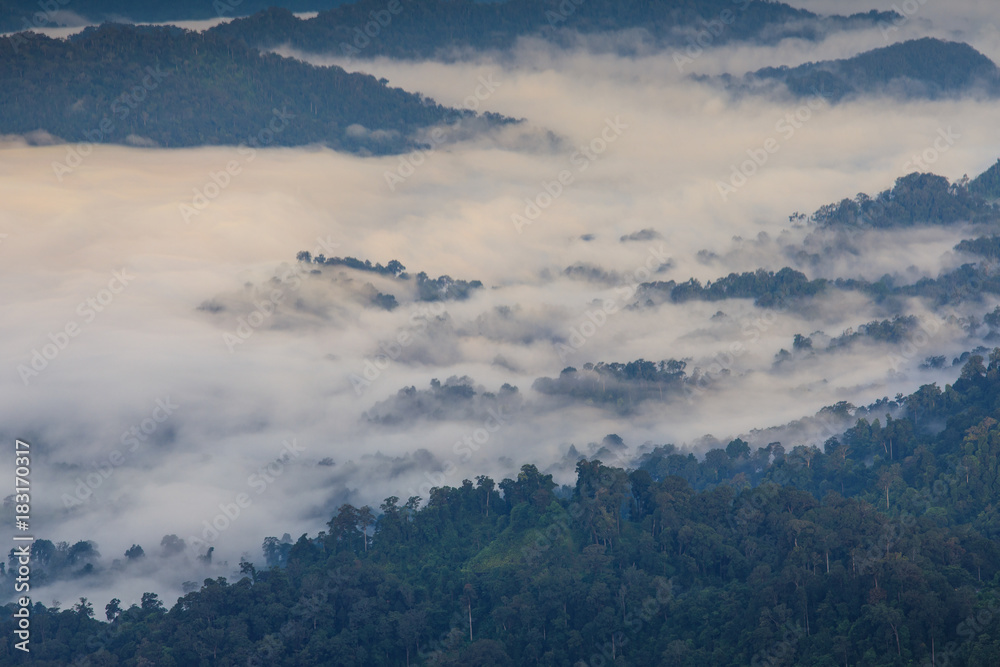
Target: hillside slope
[170,87]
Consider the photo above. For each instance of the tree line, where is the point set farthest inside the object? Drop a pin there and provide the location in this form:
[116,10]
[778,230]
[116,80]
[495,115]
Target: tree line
[873,546]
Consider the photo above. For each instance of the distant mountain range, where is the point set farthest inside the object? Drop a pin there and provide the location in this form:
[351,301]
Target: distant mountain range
[441,28]
[170,87]
[165,86]
[20,15]
[924,68]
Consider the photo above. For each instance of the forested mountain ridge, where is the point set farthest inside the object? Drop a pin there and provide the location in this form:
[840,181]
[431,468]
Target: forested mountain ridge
[438,28]
[856,536]
[18,15]
[915,200]
[922,68]
[875,546]
[170,87]
[987,184]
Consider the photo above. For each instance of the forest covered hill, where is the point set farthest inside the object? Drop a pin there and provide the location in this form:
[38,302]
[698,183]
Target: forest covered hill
[440,28]
[18,15]
[923,68]
[170,87]
[876,545]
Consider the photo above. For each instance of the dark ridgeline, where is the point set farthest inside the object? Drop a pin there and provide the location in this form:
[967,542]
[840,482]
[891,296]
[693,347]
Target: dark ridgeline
[873,542]
[18,15]
[442,28]
[873,545]
[173,88]
[925,68]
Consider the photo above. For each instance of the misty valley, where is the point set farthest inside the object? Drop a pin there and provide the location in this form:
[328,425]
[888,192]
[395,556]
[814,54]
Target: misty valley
[489,333]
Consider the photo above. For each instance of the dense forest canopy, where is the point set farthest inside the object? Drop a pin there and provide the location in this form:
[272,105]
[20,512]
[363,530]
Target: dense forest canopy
[915,199]
[921,68]
[620,386]
[987,184]
[869,537]
[788,287]
[767,288]
[170,87]
[18,15]
[442,288]
[425,28]
[876,545]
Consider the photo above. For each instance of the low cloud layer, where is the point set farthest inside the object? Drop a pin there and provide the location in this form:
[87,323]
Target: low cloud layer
[129,302]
